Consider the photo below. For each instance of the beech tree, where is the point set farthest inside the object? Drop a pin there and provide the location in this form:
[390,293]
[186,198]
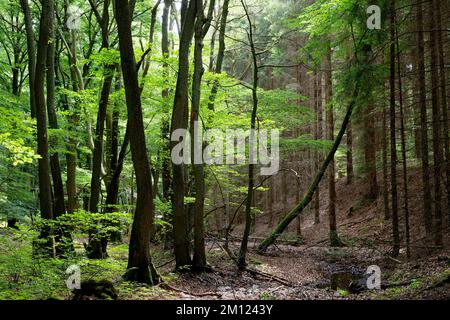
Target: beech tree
[140,267]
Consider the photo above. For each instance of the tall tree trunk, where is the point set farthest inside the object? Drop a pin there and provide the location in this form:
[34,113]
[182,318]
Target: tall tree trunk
[318,85]
[108,74]
[115,159]
[45,188]
[97,246]
[320,102]
[199,259]
[180,121]
[201,28]
[73,118]
[444,103]
[426,189]
[31,53]
[251,167]
[220,53]
[334,237]
[396,236]
[140,267]
[165,131]
[387,213]
[58,187]
[350,154]
[403,144]
[436,120]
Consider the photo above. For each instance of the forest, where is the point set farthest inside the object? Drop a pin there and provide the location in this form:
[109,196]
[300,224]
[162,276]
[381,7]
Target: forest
[224,150]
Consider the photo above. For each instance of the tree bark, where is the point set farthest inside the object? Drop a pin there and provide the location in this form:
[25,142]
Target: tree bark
[403,146]
[241,262]
[58,187]
[45,188]
[436,120]
[319,136]
[31,53]
[426,189]
[201,29]
[387,213]
[444,103]
[140,267]
[350,154]
[395,231]
[220,53]
[108,74]
[180,121]
[97,247]
[165,130]
[334,237]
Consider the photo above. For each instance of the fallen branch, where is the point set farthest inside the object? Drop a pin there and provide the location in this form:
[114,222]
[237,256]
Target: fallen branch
[255,272]
[166,286]
[294,213]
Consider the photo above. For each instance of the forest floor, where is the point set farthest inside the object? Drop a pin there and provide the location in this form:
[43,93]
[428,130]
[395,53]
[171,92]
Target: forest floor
[294,268]
[307,268]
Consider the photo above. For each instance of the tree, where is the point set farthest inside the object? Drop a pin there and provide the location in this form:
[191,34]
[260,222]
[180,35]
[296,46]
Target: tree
[220,53]
[59,207]
[31,53]
[180,121]
[140,267]
[334,237]
[436,120]
[392,117]
[251,167]
[426,189]
[202,25]
[45,188]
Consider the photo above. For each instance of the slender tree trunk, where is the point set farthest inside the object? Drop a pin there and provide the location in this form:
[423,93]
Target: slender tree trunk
[403,144]
[113,190]
[387,213]
[73,119]
[15,72]
[426,189]
[31,64]
[334,237]
[140,267]
[251,167]
[444,103]
[220,53]
[165,130]
[199,259]
[45,188]
[319,136]
[58,187]
[108,74]
[31,53]
[396,236]
[436,119]
[350,154]
[180,121]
